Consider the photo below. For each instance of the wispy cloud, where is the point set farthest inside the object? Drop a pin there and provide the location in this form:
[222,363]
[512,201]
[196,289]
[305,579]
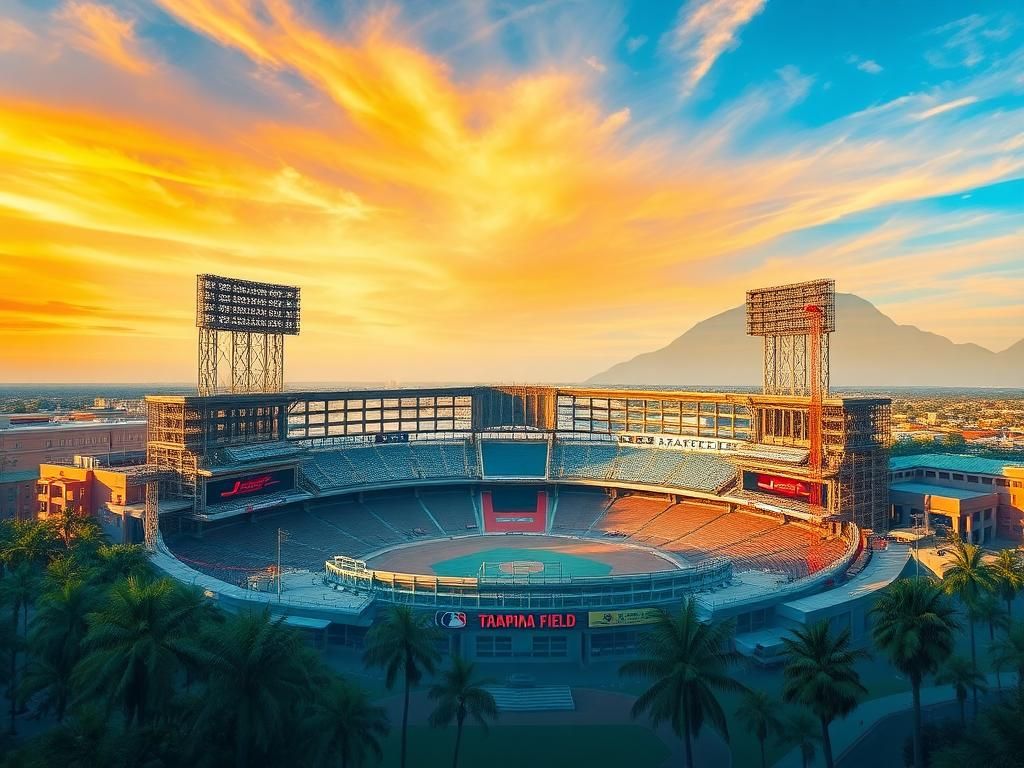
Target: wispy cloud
[948,106]
[99,30]
[595,64]
[705,30]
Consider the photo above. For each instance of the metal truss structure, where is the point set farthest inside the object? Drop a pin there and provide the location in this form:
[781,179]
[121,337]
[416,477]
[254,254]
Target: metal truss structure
[792,352]
[242,326]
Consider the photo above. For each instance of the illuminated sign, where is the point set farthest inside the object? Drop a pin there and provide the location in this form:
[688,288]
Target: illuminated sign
[524,620]
[391,437]
[676,443]
[461,620]
[778,485]
[623,618]
[261,484]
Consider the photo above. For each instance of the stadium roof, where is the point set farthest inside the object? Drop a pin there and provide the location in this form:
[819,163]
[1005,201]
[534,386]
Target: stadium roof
[926,489]
[954,462]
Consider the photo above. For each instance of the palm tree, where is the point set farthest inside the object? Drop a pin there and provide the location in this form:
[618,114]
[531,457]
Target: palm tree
[820,675]
[1008,651]
[459,695]
[990,611]
[688,663]
[1009,574]
[350,727]
[970,579]
[959,673]
[758,713]
[55,641]
[18,590]
[256,673]
[914,627]
[802,731]
[136,644]
[119,561]
[403,642]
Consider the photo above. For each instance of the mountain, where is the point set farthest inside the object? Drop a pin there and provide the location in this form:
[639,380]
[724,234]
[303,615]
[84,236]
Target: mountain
[867,349]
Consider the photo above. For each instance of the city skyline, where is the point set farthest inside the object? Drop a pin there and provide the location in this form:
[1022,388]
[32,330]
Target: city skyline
[473,191]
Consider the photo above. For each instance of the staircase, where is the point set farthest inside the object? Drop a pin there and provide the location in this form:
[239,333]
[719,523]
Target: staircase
[544,698]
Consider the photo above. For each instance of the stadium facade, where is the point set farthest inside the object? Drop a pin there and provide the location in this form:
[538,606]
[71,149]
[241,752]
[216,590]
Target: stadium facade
[363,494]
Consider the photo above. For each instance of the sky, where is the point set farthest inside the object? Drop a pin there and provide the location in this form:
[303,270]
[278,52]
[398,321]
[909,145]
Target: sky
[484,190]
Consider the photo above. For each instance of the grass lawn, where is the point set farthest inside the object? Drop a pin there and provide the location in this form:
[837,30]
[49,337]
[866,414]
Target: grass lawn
[539,746]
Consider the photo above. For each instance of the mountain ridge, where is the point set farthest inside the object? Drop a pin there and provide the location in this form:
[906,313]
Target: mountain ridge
[868,348]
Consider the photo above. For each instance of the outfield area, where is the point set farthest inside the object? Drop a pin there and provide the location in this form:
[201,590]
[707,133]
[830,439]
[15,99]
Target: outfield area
[550,555]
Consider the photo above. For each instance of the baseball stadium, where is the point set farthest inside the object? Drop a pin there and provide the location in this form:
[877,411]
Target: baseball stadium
[532,522]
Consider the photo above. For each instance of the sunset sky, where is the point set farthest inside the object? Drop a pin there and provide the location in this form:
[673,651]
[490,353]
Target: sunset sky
[497,191]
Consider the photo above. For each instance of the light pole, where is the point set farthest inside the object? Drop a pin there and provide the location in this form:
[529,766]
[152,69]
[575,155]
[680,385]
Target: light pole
[281,536]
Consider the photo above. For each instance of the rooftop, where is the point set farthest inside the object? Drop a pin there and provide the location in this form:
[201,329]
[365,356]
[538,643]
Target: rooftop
[926,489]
[50,425]
[954,462]
[20,476]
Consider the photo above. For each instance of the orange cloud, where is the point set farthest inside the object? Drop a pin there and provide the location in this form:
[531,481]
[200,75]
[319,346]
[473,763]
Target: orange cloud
[98,30]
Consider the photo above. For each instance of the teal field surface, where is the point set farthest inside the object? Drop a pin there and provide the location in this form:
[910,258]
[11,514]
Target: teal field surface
[571,565]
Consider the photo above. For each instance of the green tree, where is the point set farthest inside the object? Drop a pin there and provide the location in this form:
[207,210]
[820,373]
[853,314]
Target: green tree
[17,591]
[459,694]
[989,610]
[802,731]
[820,675]
[758,713]
[404,643]
[970,579]
[347,725]
[1008,652]
[136,644]
[256,673]
[119,561]
[58,630]
[1008,570]
[688,663]
[914,626]
[959,673]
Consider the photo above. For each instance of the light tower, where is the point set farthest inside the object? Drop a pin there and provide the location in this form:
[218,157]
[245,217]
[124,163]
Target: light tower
[242,325]
[795,321]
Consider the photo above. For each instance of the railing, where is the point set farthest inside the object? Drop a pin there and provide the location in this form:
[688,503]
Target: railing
[568,592]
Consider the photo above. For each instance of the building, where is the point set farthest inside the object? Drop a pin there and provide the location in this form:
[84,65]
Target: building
[18,494]
[975,497]
[23,447]
[114,496]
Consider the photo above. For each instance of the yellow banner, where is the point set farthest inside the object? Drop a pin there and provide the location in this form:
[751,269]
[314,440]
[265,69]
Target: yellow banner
[623,618]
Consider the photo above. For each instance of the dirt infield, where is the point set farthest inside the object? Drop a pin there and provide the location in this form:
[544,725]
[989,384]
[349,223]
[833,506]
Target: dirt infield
[423,558]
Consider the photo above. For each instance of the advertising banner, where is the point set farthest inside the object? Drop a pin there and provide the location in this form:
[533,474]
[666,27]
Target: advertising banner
[778,485]
[391,437]
[623,618]
[249,486]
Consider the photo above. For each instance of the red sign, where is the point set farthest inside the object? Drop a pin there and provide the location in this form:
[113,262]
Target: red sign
[784,486]
[249,485]
[526,620]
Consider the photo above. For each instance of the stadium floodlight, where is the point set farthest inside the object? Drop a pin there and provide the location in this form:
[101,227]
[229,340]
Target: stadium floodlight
[793,335]
[243,324]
